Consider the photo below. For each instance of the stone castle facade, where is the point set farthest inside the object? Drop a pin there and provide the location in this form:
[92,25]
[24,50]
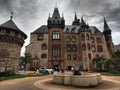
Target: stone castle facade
[11,41]
[57,45]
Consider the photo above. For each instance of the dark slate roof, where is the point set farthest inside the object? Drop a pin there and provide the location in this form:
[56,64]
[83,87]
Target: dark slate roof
[56,13]
[95,30]
[68,29]
[106,27]
[11,25]
[43,30]
[71,29]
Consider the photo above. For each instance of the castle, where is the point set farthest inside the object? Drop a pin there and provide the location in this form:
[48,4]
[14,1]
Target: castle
[57,45]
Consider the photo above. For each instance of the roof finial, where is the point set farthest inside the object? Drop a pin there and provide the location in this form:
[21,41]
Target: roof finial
[11,15]
[56,4]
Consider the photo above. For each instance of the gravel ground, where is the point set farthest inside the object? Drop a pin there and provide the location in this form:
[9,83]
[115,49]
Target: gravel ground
[22,84]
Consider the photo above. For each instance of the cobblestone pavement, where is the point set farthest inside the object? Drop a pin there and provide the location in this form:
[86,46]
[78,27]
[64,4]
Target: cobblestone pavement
[22,84]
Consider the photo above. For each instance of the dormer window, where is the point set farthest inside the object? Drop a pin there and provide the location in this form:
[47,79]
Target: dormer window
[40,37]
[67,30]
[72,31]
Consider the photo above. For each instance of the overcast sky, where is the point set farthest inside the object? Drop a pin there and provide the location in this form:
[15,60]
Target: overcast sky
[31,14]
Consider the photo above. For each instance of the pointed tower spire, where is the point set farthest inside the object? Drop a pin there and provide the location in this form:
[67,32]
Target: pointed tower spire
[106,27]
[76,21]
[62,16]
[75,16]
[11,15]
[82,22]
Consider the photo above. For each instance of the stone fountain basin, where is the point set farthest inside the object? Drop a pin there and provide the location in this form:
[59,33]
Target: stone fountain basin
[76,80]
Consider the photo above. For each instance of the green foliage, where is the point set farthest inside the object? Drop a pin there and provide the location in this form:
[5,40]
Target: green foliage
[20,76]
[114,72]
[9,73]
[26,58]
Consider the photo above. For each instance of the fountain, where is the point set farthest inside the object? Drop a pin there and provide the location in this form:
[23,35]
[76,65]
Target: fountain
[78,79]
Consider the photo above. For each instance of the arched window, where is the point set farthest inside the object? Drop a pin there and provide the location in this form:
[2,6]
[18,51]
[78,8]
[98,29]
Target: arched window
[44,46]
[68,38]
[98,40]
[99,48]
[88,46]
[73,38]
[83,46]
[69,57]
[75,57]
[40,37]
[67,30]
[74,48]
[93,48]
[83,37]
[87,36]
[68,48]
[44,55]
[92,39]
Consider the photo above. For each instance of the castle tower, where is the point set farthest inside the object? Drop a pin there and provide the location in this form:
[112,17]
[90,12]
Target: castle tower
[76,21]
[56,24]
[11,41]
[108,38]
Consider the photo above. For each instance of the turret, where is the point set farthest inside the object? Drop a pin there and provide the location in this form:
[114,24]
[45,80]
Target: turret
[108,38]
[56,20]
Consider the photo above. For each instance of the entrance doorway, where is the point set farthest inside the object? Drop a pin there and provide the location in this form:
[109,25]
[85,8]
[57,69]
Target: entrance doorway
[69,67]
[56,67]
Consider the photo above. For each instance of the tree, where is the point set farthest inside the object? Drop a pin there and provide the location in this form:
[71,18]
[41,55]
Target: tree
[25,59]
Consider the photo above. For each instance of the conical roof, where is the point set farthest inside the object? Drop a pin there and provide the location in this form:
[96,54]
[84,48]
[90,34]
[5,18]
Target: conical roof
[106,27]
[83,22]
[56,14]
[11,25]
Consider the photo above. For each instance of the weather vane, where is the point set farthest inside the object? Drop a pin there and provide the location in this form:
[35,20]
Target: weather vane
[11,15]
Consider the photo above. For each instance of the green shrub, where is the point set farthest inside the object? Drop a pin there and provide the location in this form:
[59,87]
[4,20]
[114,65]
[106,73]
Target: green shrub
[9,73]
[114,72]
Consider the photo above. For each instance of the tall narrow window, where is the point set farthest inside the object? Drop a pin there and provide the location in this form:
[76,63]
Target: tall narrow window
[68,56]
[88,46]
[83,37]
[56,35]
[93,48]
[74,48]
[56,50]
[75,57]
[83,46]
[68,47]
[99,48]
[92,39]
[87,36]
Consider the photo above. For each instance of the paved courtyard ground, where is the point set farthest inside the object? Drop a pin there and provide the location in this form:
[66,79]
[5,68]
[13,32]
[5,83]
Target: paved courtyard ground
[45,83]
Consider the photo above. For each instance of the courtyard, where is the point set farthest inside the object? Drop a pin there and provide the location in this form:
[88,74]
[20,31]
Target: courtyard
[46,83]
